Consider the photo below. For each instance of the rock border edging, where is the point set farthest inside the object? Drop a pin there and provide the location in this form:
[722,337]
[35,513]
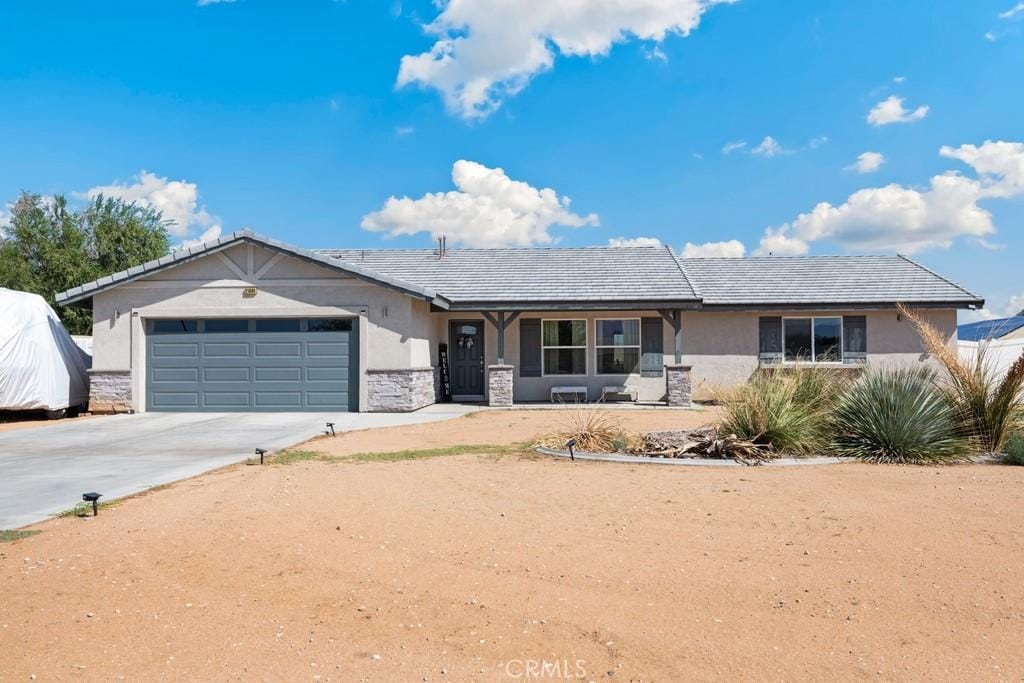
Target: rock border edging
[692,462]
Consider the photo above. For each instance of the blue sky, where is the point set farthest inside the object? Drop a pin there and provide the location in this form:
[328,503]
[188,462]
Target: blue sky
[300,120]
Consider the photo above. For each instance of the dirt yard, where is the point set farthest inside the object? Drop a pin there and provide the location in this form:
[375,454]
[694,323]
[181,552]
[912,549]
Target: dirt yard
[9,421]
[492,567]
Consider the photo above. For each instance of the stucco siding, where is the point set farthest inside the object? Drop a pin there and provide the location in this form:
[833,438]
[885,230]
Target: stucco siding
[722,347]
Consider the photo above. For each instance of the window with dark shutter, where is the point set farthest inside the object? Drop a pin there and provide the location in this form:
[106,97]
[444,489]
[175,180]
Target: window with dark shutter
[770,341]
[529,347]
[855,338]
[652,352]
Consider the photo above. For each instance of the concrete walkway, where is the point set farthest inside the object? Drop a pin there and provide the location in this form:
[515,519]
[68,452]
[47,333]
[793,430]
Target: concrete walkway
[44,470]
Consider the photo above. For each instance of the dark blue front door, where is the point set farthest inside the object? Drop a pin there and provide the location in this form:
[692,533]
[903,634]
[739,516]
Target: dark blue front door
[466,356]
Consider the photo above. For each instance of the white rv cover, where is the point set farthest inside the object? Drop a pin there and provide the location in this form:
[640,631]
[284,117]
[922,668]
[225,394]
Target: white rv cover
[41,367]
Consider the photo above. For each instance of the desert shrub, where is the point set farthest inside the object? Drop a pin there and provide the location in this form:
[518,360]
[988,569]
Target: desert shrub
[898,416]
[786,409]
[1015,449]
[595,431]
[990,407]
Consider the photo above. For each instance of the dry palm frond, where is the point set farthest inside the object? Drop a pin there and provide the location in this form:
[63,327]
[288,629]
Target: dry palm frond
[706,442]
[990,408]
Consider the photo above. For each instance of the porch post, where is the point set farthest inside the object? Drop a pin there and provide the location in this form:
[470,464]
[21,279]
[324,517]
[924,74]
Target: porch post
[501,337]
[499,376]
[677,327]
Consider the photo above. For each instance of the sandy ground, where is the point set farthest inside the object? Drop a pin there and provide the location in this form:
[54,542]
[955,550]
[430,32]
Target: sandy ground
[489,568]
[489,427]
[27,420]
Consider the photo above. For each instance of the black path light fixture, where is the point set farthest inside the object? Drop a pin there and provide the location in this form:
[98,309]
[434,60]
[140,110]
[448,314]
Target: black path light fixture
[571,444]
[93,498]
[260,452]
[330,426]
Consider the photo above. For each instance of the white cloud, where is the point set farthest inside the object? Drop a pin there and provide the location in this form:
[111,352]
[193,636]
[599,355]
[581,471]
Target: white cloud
[1013,11]
[488,50]
[5,215]
[634,242]
[403,131]
[177,200]
[208,235]
[898,218]
[868,162]
[891,110]
[817,142]
[769,147]
[488,209]
[776,242]
[728,249]
[734,146]
[990,37]
[899,80]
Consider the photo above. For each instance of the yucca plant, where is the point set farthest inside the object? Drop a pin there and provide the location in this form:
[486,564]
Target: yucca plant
[898,416]
[990,407]
[1015,449]
[786,409]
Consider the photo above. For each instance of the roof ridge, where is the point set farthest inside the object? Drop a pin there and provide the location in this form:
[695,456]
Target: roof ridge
[941,277]
[593,247]
[686,276]
[805,257]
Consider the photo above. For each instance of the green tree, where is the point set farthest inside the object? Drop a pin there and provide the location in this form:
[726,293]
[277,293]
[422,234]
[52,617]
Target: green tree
[47,248]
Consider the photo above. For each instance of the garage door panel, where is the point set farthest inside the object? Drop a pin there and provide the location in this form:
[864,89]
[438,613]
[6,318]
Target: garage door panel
[338,349]
[278,399]
[163,399]
[226,349]
[265,369]
[226,400]
[215,374]
[278,349]
[279,374]
[327,374]
[326,399]
[174,350]
[190,374]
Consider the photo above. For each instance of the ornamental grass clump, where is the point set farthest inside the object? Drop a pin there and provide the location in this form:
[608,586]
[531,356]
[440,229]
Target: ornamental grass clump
[898,416]
[784,409]
[594,431]
[989,405]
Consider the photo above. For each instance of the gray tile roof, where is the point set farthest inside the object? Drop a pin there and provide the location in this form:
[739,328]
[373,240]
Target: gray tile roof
[810,280]
[534,276]
[601,277]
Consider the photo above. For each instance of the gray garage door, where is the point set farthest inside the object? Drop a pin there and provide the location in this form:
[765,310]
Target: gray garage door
[266,364]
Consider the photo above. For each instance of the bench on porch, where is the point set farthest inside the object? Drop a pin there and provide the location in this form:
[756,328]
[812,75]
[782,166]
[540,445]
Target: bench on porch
[575,391]
[614,390]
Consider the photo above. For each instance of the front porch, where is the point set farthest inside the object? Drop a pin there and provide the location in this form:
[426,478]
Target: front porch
[562,357]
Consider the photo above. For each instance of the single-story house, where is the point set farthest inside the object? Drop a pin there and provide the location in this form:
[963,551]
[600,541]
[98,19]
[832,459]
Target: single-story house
[249,323]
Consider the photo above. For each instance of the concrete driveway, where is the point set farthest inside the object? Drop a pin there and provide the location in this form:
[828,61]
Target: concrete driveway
[44,470]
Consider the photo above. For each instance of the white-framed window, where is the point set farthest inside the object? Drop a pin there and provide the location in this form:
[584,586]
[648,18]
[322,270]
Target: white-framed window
[617,346]
[813,340]
[564,347]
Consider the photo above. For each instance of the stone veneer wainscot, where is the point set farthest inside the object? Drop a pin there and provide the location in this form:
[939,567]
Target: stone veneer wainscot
[678,385]
[399,391]
[110,391]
